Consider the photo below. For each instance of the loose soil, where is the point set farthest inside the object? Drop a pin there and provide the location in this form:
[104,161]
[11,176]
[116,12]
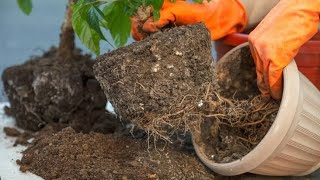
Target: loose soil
[71,155]
[238,117]
[22,138]
[49,90]
[167,83]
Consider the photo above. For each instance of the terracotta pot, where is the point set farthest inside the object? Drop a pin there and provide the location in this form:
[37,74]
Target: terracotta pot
[308,58]
[292,145]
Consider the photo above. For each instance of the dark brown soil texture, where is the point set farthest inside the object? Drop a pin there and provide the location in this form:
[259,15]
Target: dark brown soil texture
[22,138]
[239,117]
[47,90]
[11,132]
[157,83]
[71,155]
[236,75]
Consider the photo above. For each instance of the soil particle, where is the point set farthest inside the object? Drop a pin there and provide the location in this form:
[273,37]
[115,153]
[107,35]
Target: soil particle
[12,132]
[22,138]
[45,91]
[71,155]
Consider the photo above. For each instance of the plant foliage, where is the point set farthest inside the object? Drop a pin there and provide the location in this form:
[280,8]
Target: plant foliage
[25,6]
[91,18]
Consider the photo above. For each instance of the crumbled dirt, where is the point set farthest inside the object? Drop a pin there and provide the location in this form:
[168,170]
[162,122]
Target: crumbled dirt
[71,155]
[12,132]
[233,131]
[22,138]
[143,13]
[236,75]
[45,91]
[158,83]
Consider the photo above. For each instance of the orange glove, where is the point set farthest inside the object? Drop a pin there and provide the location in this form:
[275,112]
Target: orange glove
[277,39]
[136,29]
[221,17]
[137,21]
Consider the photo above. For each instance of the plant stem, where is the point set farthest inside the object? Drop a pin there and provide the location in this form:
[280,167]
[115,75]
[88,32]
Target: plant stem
[67,38]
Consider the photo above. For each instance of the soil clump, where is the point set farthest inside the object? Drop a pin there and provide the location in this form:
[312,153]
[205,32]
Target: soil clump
[159,82]
[22,138]
[48,90]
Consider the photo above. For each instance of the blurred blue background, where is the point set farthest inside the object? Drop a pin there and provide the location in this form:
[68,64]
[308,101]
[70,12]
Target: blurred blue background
[23,36]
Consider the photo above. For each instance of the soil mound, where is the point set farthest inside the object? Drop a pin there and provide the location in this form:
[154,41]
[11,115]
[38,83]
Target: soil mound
[45,91]
[71,155]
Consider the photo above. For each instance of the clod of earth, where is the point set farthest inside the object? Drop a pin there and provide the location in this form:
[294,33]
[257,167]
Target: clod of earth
[11,132]
[143,13]
[22,138]
[167,83]
[45,91]
[160,82]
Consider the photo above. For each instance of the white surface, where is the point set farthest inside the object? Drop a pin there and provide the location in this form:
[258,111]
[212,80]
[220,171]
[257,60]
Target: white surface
[109,107]
[9,170]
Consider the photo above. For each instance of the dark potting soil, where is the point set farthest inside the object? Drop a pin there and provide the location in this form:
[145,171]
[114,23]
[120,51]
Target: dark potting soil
[239,116]
[71,155]
[158,83]
[48,90]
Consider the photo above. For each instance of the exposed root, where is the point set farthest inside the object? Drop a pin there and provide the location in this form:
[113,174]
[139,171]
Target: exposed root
[244,114]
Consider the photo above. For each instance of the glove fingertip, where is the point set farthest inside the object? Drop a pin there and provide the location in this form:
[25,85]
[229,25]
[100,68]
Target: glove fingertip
[150,27]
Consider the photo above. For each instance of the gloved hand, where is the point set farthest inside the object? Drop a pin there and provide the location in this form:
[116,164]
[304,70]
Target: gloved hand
[137,21]
[277,39]
[136,29]
[216,15]
[221,17]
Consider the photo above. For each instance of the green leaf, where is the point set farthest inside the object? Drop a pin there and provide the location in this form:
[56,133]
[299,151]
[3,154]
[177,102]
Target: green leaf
[157,4]
[93,16]
[118,22]
[25,6]
[198,1]
[87,35]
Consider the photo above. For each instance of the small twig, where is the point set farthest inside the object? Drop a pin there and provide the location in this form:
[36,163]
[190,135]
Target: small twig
[141,85]
[118,82]
[207,92]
